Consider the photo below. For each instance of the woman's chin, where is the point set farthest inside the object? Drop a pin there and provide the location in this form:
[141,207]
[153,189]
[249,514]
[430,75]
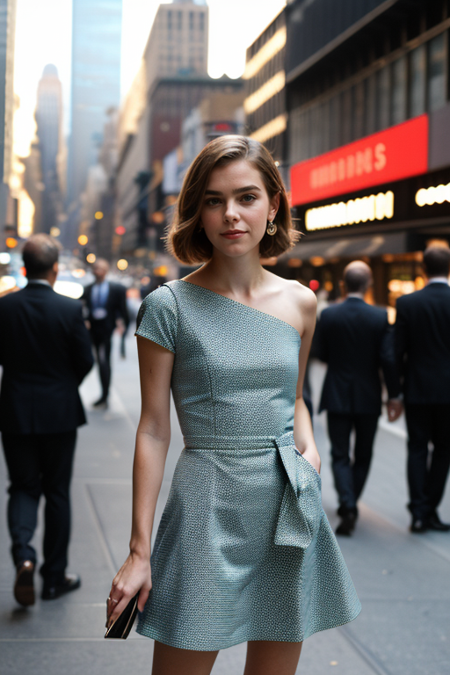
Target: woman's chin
[237,250]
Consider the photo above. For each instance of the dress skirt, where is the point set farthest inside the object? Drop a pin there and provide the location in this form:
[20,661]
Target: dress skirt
[227,566]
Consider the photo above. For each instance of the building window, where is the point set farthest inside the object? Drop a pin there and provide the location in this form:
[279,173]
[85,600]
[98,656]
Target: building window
[358,103]
[180,20]
[370,97]
[436,73]
[347,103]
[191,20]
[202,21]
[399,84]
[417,81]
[335,123]
[382,99]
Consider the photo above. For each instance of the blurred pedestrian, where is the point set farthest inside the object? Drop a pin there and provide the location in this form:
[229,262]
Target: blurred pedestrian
[45,352]
[354,340]
[422,337]
[244,552]
[106,304]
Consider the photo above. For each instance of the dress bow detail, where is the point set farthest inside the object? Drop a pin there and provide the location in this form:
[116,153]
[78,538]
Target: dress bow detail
[301,507]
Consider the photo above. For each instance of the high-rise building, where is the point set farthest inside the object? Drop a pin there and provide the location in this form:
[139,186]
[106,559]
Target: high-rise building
[7,30]
[49,132]
[172,80]
[178,42]
[96,49]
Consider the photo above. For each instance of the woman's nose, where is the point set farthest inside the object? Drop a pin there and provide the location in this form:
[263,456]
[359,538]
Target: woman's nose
[231,213]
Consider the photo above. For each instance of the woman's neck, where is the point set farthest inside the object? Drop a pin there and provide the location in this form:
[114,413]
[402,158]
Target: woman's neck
[235,276]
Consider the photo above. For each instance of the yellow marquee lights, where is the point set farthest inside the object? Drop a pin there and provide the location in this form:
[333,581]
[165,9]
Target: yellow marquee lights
[267,52]
[271,129]
[433,195]
[373,207]
[264,93]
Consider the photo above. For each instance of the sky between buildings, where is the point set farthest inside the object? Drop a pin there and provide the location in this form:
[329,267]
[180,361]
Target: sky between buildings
[43,35]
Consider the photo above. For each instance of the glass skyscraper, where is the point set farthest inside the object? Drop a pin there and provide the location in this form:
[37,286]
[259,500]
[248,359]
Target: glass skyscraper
[7,25]
[96,47]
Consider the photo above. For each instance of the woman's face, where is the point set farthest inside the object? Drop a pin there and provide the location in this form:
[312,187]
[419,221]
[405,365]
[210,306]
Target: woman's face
[236,208]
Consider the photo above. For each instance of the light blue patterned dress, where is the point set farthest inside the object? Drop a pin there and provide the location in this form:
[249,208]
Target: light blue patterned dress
[244,550]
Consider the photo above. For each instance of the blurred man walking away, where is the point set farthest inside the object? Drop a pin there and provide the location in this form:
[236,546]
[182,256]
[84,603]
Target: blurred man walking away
[422,345]
[106,303]
[354,339]
[45,352]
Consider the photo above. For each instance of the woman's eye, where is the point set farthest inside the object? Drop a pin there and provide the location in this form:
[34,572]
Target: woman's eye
[212,201]
[248,198]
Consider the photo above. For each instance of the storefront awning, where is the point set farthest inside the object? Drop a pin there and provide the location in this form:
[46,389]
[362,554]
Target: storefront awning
[350,247]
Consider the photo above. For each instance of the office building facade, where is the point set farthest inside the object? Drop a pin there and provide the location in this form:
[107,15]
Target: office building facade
[264,75]
[367,94]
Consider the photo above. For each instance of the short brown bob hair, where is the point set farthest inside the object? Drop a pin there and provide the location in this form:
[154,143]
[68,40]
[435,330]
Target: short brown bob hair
[185,240]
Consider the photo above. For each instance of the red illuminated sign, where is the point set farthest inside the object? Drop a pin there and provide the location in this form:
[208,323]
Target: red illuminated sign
[394,154]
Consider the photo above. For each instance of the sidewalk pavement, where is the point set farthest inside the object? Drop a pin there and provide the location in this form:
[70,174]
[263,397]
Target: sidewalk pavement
[403,580]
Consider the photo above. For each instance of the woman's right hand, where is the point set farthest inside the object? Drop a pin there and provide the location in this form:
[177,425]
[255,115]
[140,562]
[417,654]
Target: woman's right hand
[134,575]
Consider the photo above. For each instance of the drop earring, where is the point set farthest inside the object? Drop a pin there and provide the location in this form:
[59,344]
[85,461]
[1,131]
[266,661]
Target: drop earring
[271,228]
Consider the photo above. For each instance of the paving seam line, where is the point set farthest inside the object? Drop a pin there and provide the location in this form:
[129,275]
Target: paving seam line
[120,407]
[365,653]
[101,534]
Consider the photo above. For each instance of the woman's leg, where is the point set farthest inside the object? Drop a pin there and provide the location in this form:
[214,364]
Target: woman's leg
[173,661]
[272,658]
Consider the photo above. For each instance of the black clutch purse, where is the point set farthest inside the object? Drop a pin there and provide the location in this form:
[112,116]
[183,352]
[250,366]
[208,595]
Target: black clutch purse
[121,627]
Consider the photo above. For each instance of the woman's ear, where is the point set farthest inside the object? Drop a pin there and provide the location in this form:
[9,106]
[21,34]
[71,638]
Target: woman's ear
[274,206]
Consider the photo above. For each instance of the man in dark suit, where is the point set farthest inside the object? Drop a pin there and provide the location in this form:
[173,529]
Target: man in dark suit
[353,338]
[106,303]
[422,345]
[45,352]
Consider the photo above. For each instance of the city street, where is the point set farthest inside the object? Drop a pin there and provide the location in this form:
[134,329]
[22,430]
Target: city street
[403,580]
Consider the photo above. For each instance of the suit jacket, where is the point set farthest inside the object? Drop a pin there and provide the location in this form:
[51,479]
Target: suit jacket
[355,340]
[45,351]
[116,307]
[422,344]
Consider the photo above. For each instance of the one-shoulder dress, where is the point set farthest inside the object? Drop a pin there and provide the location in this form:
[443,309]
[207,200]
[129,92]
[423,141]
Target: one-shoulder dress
[244,550]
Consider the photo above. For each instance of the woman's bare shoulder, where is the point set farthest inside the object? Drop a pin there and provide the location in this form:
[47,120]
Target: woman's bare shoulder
[301,296]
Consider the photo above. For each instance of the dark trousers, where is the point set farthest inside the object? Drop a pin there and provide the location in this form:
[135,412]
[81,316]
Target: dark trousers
[350,476]
[101,339]
[427,471]
[40,464]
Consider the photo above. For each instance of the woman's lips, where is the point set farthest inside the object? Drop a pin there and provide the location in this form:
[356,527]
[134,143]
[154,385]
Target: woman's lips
[233,234]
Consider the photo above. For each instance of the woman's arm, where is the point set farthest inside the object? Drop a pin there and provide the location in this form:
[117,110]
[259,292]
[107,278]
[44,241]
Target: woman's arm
[152,444]
[303,432]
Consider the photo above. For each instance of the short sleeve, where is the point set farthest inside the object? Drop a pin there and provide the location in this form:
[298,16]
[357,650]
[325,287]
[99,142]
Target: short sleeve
[157,318]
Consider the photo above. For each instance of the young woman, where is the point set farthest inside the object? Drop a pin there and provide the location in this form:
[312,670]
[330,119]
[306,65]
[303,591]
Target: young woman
[244,551]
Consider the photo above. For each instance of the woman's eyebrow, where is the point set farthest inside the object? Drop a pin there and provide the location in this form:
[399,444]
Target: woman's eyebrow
[236,191]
